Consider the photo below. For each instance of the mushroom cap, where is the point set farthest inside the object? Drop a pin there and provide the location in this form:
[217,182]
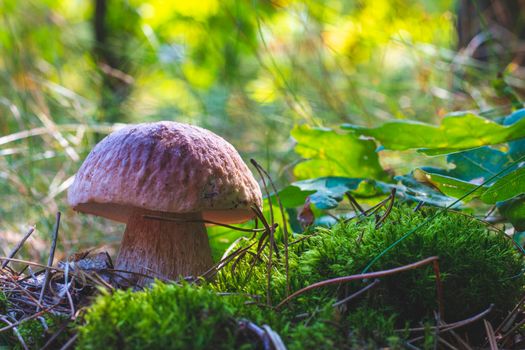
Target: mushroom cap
[165,167]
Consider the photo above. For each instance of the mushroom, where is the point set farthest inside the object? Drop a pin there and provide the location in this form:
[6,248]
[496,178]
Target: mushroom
[182,173]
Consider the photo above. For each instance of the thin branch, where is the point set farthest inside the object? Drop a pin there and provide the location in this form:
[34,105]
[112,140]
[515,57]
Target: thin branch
[389,209]
[354,203]
[241,229]
[17,333]
[70,342]
[50,259]
[356,294]
[450,326]
[18,246]
[361,276]
[439,290]
[490,335]
[285,227]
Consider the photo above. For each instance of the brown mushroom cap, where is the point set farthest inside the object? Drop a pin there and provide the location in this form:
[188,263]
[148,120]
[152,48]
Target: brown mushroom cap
[166,167]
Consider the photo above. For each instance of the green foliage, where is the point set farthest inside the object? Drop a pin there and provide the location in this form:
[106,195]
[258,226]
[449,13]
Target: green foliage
[328,192]
[514,211]
[506,187]
[447,185]
[457,132]
[324,192]
[475,170]
[334,154]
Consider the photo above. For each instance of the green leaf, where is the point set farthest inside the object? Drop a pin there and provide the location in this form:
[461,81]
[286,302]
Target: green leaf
[519,239]
[329,191]
[514,211]
[516,148]
[291,196]
[447,185]
[457,132]
[329,153]
[506,187]
[325,192]
[478,164]
[410,189]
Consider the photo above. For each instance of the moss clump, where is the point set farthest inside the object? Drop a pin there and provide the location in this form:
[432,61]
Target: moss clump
[478,268]
[164,317]
[476,264]
[34,333]
[190,317]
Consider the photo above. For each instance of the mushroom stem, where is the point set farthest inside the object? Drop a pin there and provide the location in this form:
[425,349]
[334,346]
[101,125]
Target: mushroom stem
[164,249]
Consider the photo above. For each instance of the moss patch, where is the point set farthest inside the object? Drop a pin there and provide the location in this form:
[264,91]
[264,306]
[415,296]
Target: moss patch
[479,267]
[164,317]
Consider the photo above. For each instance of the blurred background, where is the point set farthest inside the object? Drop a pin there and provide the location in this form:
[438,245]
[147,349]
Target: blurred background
[249,70]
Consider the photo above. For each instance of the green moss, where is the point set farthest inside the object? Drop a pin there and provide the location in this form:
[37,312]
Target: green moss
[164,317]
[476,264]
[478,267]
[3,303]
[34,333]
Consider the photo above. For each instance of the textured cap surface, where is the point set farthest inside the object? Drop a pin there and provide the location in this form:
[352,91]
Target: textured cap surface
[168,167]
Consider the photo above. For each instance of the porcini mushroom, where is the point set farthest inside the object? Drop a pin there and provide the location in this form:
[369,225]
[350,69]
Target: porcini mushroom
[169,170]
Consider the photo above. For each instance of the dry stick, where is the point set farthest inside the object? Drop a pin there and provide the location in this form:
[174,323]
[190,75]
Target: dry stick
[50,259]
[70,342]
[18,246]
[441,340]
[32,317]
[17,333]
[55,335]
[226,260]
[261,334]
[361,276]
[68,294]
[439,290]
[75,273]
[490,211]
[370,210]
[356,294]
[285,228]
[418,206]
[273,245]
[275,338]
[354,203]
[490,335]
[161,218]
[450,326]
[437,318]
[271,237]
[270,231]
[510,315]
[261,171]
[389,209]
[516,326]
[27,293]
[410,346]
[460,340]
